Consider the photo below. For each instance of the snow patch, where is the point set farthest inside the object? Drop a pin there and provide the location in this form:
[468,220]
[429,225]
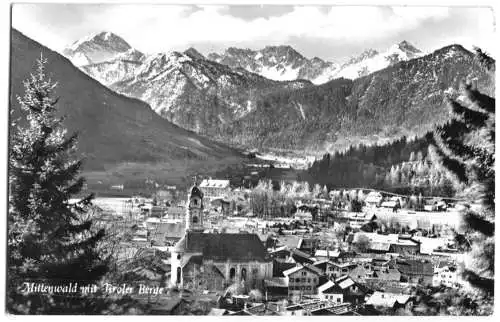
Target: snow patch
[301,110]
[249,106]
[286,73]
[80,60]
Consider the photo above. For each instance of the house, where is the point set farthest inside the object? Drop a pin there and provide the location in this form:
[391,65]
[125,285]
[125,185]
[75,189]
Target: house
[379,247]
[301,257]
[303,215]
[222,205]
[339,269]
[276,288]
[373,242]
[213,189]
[374,199]
[435,204]
[167,233]
[394,203]
[369,273]
[281,253]
[430,245]
[326,266]
[357,220]
[390,300]
[343,289]
[326,292]
[446,274]
[308,245]
[416,271]
[326,254]
[280,266]
[386,243]
[405,246]
[302,280]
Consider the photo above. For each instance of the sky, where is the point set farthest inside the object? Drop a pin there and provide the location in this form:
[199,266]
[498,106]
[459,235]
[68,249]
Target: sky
[329,32]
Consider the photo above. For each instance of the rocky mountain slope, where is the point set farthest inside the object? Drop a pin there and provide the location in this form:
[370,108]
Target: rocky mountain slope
[109,72]
[380,96]
[113,128]
[100,47]
[407,98]
[196,93]
[105,57]
[281,63]
[371,60]
[285,63]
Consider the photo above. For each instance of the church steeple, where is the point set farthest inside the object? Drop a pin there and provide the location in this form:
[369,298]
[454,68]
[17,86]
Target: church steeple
[194,211]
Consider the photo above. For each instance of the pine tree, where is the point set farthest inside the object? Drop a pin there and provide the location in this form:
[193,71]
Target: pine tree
[325,192]
[316,193]
[412,158]
[49,241]
[465,147]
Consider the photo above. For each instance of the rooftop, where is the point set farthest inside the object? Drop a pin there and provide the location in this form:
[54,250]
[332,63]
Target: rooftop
[214,183]
[326,286]
[387,299]
[223,246]
[300,267]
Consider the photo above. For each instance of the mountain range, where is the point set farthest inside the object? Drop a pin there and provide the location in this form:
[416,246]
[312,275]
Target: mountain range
[285,63]
[114,130]
[277,98]
[280,63]
[101,47]
[196,93]
[405,99]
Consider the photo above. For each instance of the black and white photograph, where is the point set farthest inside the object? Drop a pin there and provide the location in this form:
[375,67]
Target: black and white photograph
[276,159]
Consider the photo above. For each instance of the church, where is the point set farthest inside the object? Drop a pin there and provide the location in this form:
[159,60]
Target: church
[213,261]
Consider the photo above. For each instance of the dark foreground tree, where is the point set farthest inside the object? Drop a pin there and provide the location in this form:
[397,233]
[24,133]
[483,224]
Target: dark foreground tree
[48,241]
[465,147]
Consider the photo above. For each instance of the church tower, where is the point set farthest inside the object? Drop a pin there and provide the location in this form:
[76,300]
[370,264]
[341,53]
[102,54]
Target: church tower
[194,212]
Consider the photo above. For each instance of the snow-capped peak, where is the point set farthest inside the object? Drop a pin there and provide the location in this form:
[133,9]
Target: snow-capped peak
[368,53]
[371,60]
[281,63]
[98,47]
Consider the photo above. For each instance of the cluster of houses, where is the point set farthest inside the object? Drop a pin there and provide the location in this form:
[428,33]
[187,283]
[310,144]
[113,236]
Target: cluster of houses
[365,273]
[379,279]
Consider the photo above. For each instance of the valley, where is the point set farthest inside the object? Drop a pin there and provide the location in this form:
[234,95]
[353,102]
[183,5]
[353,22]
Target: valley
[227,106]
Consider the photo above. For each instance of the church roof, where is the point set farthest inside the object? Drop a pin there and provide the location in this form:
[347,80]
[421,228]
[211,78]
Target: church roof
[223,246]
[196,191]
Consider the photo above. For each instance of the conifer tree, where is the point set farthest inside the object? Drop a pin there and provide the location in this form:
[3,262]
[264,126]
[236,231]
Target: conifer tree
[49,240]
[465,147]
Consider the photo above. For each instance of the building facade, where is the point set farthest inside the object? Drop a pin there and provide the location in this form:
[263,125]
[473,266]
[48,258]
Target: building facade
[302,280]
[214,261]
[215,188]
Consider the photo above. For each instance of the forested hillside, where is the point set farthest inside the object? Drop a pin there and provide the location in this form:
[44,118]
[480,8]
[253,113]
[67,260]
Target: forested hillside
[406,99]
[401,166]
[113,129]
